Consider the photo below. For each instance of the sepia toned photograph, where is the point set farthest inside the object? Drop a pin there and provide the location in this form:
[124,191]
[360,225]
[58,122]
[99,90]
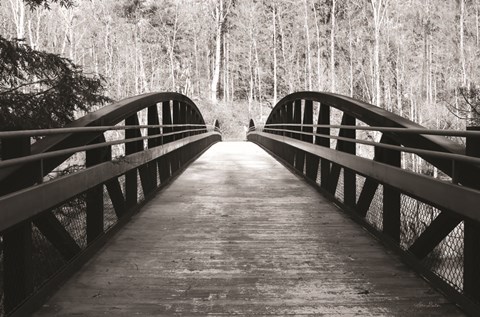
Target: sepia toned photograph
[239,158]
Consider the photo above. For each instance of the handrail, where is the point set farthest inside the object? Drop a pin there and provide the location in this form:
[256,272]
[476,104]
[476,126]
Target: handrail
[372,116]
[106,116]
[454,133]
[98,198]
[429,153]
[44,132]
[24,204]
[398,178]
[46,155]
[419,216]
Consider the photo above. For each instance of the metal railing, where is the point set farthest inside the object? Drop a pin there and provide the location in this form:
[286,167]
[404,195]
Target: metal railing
[363,158]
[53,217]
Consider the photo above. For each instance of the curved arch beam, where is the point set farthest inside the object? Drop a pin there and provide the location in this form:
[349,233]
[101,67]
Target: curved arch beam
[375,116]
[107,116]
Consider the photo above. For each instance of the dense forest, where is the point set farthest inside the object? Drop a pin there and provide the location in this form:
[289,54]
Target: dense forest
[236,59]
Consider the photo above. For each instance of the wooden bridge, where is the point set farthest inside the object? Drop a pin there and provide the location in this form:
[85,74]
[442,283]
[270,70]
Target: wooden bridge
[304,218]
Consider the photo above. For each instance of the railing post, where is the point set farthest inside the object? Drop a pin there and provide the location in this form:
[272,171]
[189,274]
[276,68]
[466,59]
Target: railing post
[167,120]
[324,119]
[288,150]
[17,241]
[175,155]
[311,161]
[164,164]
[391,196]
[153,119]
[297,118]
[176,118]
[94,197]
[131,182]
[471,247]
[349,176]
[183,117]
[289,117]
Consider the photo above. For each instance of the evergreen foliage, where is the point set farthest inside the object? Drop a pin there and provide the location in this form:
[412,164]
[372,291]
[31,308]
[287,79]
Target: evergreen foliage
[40,89]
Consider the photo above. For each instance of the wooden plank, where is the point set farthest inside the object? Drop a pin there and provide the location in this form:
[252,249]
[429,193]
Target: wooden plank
[216,242]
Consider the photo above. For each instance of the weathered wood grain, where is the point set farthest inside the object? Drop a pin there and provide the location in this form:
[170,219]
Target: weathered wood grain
[238,234]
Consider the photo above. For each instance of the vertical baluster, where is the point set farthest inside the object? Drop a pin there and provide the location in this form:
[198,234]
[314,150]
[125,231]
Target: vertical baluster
[297,119]
[349,177]
[289,151]
[94,197]
[391,196]
[153,119]
[175,155]
[311,161]
[176,118]
[289,117]
[167,120]
[17,241]
[131,186]
[471,271]
[164,160]
[324,119]
[183,118]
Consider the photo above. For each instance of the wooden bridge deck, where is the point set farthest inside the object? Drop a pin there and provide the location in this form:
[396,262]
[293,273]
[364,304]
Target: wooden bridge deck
[237,233]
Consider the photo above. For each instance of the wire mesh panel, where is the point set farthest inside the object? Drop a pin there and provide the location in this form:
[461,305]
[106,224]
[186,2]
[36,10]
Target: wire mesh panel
[80,195]
[72,216]
[447,259]
[339,192]
[109,216]
[416,216]
[360,182]
[140,194]
[400,160]
[47,260]
[375,213]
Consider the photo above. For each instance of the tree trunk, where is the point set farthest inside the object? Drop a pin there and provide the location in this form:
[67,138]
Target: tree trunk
[259,79]
[398,82]
[274,56]
[309,60]
[462,43]
[332,48]
[350,53]
[319,46]
[18,12]
[379,8]
[218,47]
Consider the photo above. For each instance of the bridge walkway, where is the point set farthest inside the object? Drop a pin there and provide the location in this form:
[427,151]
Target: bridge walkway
[238,233]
